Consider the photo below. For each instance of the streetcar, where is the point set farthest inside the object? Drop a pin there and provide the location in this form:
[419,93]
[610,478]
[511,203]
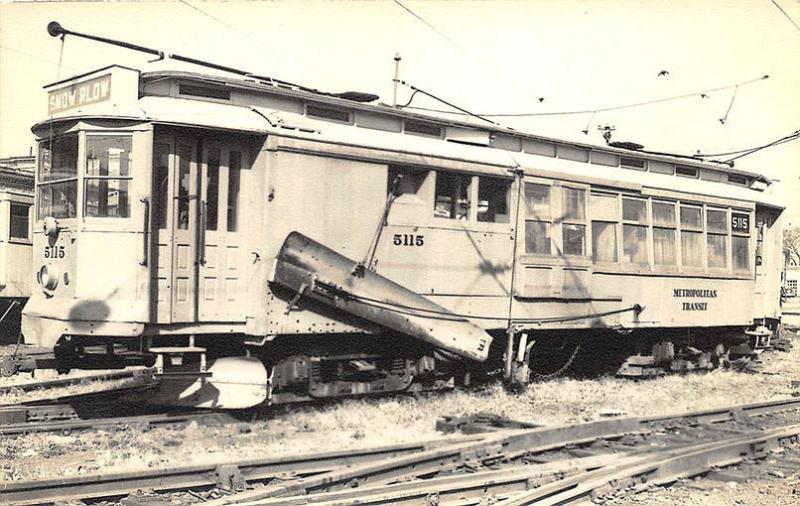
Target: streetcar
[258,242]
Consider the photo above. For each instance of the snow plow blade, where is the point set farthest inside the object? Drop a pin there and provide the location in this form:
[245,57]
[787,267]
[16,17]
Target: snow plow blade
[312,270]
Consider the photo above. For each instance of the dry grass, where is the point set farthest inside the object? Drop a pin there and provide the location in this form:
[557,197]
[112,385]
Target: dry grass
[378,421]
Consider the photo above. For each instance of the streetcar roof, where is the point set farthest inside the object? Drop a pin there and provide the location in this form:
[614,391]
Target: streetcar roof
[248,116]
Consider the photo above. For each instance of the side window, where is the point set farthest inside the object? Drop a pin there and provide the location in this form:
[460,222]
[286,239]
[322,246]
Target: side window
[717,238]
[538,219]
[410,181]
[664,227]
[691,236]
[634,231]
[574,222]
[108,177]
[19,221]
[452,196]
[494,199]
[604,212]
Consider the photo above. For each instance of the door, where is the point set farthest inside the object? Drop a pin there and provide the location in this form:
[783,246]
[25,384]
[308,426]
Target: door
[220,276]
[198,191]
[175,218]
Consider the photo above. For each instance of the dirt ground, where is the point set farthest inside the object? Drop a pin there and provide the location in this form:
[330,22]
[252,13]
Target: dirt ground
[354,423]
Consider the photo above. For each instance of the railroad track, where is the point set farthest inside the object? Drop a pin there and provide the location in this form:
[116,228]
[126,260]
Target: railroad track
[94,410]
[540,465]
[134,374]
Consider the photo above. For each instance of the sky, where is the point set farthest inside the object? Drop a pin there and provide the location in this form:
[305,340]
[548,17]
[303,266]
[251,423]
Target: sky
[532,56]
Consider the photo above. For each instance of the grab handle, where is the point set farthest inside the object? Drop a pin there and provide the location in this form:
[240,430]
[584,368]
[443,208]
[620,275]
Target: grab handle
[145,232]
[201,254]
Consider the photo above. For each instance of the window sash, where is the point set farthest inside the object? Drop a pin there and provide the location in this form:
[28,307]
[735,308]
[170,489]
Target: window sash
[452,193]
[538,238]
[99,209]
[740,247]
[664,248]
[496,194]
[604,241]
[664,214]
[573,239]
[691,249]
[691,217]
[538,201]
[717,221]
[717,251]
[634,244]
[574,204]
[68,208]
[634,210]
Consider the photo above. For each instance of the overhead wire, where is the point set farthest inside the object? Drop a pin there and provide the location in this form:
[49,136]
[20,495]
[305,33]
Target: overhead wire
[36,57]
[449,104]
[730,106]
[790,137]
[776,4]
[211,16]
[426,23]
[786,139]
[610,108]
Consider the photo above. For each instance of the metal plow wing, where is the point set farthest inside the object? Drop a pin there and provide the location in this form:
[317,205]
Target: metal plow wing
[312,270]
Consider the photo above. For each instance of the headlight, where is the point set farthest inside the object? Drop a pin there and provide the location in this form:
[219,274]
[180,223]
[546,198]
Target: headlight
[48,277]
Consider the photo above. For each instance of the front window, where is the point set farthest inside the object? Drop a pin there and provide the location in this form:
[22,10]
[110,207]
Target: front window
[58,177]
[107,188]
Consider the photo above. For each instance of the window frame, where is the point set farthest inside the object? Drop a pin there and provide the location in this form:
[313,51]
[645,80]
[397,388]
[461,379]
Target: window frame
[674,267]
[472,217]
[582,222]
[751,253]
[85,177]
[76,178]
[726,235]
[31,215]
[547,220]
[645,224]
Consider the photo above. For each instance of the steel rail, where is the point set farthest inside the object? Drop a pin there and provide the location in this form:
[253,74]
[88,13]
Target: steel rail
[494,447]
[576,478]
[66,412]
[64,382]
[571,479]
[368,467]
[204,475]
[662,467]
[499,483]
[146,420]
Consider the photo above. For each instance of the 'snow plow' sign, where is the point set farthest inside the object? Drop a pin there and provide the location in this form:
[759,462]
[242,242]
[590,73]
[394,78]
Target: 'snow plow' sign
[79,94]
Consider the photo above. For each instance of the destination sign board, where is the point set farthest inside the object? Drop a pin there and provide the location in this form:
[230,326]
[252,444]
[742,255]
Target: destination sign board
[740,222]
[80,94]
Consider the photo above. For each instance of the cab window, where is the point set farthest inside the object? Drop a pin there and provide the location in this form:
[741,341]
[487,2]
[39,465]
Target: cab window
[108,179]
[58,177]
